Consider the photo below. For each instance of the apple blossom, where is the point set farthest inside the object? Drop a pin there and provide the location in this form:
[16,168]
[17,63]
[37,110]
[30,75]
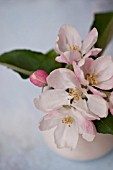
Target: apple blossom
[72,98]
[99,72]
[68,123]
[81,77]
[71,48]
[66,91]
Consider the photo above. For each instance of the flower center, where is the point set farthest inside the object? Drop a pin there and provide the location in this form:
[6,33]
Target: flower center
[74,48]
[74,93]
[91,78]
[68,120]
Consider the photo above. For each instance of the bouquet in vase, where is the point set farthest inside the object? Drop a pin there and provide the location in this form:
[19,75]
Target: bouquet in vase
[76,81]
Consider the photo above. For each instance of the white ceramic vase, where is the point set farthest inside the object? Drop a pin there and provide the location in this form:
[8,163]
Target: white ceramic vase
[101,145]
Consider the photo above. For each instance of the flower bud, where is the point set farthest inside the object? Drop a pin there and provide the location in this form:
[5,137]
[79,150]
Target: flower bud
[38,78]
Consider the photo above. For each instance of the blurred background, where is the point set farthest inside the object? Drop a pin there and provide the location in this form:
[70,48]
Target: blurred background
[34,24]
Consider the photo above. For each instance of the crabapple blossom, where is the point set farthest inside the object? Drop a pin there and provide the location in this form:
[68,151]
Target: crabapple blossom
[68,123]
[99,72]
[66,90]
[71,48]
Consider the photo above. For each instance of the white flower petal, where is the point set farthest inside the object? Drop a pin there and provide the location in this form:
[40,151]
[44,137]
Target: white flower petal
[105,85]
[97,105]
[89,41]
[50,120]
[68,37]
[68,57]
[65,136]
[88,131]
[51,99]
[86,127]
[79,74]
[62,79]
[83,111]
[72,56]
[104,66]
[62,58]
[93,52]
[88,66]
[96,92]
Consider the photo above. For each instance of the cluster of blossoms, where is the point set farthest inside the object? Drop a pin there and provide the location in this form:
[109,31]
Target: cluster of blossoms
[73,98]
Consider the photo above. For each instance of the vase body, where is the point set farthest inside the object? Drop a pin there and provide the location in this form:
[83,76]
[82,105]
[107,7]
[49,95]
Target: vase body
[101,145]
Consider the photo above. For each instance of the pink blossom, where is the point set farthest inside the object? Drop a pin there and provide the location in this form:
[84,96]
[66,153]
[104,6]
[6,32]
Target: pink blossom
[99,72]
[71,48]
[68,124]
[70,109]
[66,91]
[38,78]
[81,77]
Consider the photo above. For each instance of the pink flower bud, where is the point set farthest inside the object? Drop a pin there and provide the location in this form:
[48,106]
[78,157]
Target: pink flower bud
[38,78]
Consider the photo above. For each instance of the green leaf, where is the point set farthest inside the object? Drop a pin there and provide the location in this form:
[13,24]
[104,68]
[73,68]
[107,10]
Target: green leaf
[52,53]
[105,125]
[25,61]
[104,24]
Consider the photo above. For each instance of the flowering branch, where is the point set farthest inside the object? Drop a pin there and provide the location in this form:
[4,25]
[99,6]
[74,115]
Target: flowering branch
[77,82]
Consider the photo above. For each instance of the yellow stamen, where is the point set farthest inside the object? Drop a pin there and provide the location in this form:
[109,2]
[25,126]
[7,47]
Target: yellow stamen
[91,78]
[74,48]
[74,93]
[68,120]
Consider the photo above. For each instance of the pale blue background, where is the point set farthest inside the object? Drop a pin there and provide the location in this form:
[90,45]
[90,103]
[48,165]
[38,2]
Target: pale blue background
[34,24]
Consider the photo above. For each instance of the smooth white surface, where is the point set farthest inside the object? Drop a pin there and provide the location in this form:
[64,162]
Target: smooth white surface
[100,146]
[34,24]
